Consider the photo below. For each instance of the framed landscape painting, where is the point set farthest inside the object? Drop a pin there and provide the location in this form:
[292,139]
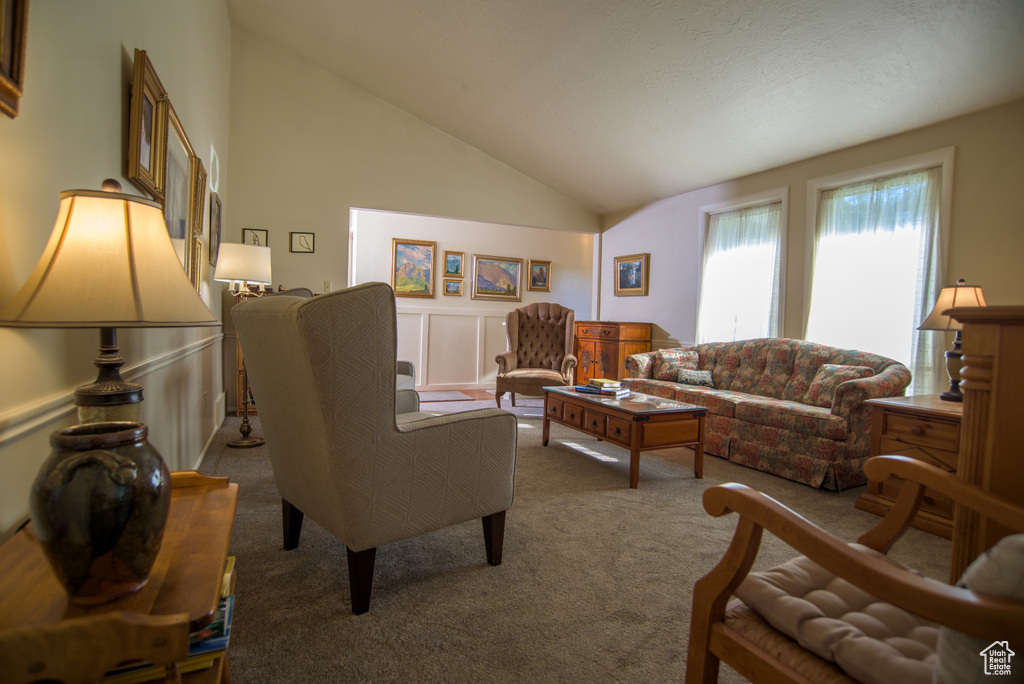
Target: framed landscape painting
[453,264]
[453,287]
[497,278]
[632,275]
[540,276]
[412,267]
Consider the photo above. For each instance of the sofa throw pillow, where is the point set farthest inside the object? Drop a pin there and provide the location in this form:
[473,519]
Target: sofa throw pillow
[828,378]
[997,572]
[668,361]
[694,377]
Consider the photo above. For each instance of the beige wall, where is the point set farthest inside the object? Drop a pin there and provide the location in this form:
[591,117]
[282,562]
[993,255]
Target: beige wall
[306,146]
[986,232]
[72,133]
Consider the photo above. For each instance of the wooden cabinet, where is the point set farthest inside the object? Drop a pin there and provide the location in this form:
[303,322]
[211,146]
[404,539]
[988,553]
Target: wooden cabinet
[922,427]
[990,452]
[602,347]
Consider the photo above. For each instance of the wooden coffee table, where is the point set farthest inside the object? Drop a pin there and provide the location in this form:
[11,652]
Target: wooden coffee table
[638,422]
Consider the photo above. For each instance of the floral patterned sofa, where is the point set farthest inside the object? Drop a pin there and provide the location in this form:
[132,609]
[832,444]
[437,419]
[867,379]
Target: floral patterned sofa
[788,407]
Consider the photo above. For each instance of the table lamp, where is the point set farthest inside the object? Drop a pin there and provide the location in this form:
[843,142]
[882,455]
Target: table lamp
[243,265]
[109,264]
[960,295]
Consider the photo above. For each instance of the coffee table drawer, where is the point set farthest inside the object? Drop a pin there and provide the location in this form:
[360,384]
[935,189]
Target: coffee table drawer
[572,414]
[553,407]
[594,422]
[655,434]
[617,430]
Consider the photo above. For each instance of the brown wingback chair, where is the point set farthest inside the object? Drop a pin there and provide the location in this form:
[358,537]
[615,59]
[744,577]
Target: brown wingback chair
[540,345]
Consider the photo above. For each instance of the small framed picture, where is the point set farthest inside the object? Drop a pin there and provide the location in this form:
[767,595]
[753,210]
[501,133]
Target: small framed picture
[302,242]
[453,287]
[453,265]
[254,236]
[540,276]
[412,267]
[147,142]
[215,210]
[632,275]
[497,278]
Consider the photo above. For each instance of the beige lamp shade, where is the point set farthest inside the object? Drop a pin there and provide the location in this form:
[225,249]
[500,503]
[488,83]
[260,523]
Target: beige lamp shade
[109,263]
[960,295]
[237,262]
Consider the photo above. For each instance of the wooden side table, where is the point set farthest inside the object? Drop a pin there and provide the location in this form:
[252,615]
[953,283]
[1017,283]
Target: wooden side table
[602,347]
[42,635]
[922,427]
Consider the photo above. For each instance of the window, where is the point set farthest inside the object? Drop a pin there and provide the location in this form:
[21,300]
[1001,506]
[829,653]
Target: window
[877,270]
[741,281]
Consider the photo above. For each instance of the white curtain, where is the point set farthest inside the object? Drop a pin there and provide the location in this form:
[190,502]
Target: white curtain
[739,291]
[876,271]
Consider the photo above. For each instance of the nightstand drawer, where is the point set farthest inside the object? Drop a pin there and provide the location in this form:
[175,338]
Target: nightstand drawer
[598,331]
[916,430]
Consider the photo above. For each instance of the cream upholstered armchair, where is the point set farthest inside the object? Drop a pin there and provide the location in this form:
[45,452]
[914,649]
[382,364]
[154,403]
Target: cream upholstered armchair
[540,345]
[847,612]
[343,454]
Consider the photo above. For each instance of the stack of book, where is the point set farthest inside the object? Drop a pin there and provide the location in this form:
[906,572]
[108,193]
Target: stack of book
[205,645]
[604,387]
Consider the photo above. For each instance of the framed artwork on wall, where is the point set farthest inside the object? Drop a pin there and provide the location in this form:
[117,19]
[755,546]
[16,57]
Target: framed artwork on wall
[540,276]
[453,264]
[412,267]
[497,278]
[215,211]
[13,31]
[632,275]
[184,193]
[453,287]
[147,141]
[255,236]
[303,243]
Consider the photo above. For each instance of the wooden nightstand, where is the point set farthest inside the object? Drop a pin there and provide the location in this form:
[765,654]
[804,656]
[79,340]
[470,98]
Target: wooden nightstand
[602,347]
[922,427]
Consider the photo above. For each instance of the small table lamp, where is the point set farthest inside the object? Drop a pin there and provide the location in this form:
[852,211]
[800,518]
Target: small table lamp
[961,295]
[109,264]
[242,265]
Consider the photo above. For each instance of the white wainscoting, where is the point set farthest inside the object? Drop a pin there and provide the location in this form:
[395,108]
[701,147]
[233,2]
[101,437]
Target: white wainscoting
[452,348]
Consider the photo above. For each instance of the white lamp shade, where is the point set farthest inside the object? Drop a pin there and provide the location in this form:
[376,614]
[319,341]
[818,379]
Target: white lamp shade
[109,263]
[959,296]
[241,262]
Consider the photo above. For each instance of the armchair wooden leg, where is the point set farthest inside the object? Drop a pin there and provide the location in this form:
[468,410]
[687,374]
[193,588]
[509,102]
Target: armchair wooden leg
[360,578]
[513,395]
[497,397]
[291,519]
[494,536]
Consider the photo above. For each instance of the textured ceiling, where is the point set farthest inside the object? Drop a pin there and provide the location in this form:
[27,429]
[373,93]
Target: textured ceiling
[617,103]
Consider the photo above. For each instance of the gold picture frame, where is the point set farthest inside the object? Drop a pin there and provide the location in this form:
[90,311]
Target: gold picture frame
[184,195]
[452,287]
[632,275]
[13,35]
[539,279]
[497,278]
[453,264]
[147,136]
[412,267]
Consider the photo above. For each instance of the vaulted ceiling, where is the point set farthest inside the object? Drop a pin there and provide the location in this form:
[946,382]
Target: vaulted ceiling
[617,103]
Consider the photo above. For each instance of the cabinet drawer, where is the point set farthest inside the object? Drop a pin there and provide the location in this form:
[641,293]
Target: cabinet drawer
[594,422]
[553,408]
[572,414]
[617,430]
[915,430]
[597,331]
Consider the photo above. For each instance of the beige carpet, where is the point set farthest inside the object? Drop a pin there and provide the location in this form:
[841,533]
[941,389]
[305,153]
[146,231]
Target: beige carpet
[595,585]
